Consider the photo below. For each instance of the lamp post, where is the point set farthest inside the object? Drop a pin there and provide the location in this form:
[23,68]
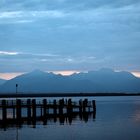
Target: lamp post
[16,88]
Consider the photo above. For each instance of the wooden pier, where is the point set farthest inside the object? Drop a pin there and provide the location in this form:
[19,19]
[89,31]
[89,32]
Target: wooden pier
[37,110]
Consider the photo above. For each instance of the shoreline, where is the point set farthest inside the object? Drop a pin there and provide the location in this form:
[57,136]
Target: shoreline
[26,95]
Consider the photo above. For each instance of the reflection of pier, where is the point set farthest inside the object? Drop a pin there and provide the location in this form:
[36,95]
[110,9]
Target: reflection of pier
[63,111]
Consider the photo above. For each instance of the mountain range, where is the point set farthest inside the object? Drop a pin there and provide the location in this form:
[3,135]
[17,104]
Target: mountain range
[101,81]
[2,81]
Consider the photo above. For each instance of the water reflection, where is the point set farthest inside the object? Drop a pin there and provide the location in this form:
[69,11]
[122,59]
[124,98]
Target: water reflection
[115,119]
[44,120]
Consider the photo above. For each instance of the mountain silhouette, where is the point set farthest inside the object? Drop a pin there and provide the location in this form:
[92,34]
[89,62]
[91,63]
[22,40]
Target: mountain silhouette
[2,81]
[103,80]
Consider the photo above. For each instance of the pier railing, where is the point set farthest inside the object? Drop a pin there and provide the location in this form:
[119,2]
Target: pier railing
[46,109]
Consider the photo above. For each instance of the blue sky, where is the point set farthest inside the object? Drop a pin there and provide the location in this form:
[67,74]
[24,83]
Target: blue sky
[54,35]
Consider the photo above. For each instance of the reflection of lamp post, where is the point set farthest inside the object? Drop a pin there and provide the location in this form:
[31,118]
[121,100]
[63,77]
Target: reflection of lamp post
[16,104]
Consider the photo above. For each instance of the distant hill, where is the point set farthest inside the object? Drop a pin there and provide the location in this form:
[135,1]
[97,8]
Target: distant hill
[104,80]
[2,81]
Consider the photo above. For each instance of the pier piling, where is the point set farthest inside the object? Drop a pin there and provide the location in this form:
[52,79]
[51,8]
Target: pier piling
[69,107]
[54,107]
[94,105]
[44,107]
[4,111]
[18,109]
[34,108]
[29,108]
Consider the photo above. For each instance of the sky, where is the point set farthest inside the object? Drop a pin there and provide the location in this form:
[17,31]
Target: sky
[69,35]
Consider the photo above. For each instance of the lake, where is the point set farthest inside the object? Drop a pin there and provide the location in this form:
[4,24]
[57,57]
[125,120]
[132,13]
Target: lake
[116,118]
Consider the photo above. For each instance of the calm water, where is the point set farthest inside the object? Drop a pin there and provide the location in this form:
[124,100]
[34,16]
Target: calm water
[117,118]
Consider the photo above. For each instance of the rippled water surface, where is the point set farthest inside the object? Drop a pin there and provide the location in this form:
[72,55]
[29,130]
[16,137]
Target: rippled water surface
[117,118]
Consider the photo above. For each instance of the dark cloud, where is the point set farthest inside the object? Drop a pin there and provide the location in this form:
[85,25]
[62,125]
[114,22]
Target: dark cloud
[62,4]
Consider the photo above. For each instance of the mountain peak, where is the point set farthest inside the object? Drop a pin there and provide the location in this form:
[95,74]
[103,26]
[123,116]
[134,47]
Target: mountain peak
[104,80]
[106,70]
[37,71]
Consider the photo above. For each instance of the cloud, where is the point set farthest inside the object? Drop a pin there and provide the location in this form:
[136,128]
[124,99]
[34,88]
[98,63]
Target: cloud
[24,21]
[31,14]
[9,76]
[97,15]
[10,14]
[45,57]
[63,4]
[64,59]
[8,53]
[17,17]
[136,73]
[70,34]
[23,55]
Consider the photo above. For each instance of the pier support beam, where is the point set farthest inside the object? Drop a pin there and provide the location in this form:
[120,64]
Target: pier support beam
[61,105]
[14,115]
[34,109]
[94,105]
[85,102]
[29,108]
[44,107]
[54,107]
[80,106]
[18,109]
[4,111]
[69,107]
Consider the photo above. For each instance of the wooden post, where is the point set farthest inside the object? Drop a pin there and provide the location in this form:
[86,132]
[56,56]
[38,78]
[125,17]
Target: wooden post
[4,111]
[94,114]
[94,105]
[61,104]
[41,114]
[69,106]
[29,108]
[54,110]
[85,105]
[80,109]
[13,109]
[44,107]
[80,106]
[55,107]
[44,111]
[34,109]
[18,109]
